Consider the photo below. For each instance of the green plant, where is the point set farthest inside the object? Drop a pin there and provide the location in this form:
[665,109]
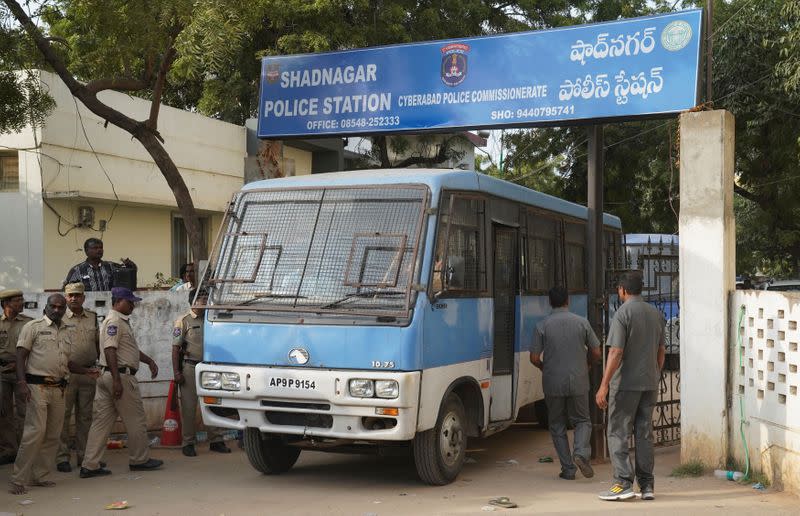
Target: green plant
[162,281]
[693,468]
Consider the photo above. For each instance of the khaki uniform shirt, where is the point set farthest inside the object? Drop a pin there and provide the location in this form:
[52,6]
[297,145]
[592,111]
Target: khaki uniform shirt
[116,332]
[84,342]
[49,347]
[188,331]
[9,333]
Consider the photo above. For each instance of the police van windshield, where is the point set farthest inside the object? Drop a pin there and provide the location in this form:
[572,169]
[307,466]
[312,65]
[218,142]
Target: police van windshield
[333,250]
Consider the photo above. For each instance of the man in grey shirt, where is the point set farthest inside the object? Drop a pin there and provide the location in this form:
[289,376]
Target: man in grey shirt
[630,387]
[560,345]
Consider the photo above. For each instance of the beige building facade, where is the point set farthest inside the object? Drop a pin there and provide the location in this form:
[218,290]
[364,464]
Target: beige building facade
[77,177]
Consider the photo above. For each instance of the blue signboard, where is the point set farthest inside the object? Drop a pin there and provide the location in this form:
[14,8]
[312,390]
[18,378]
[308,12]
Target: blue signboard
[628,68]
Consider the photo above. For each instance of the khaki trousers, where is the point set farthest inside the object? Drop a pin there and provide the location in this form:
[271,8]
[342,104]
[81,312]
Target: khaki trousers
[106,409]
[188,395]
[78,399]
[12,415]
[37,449]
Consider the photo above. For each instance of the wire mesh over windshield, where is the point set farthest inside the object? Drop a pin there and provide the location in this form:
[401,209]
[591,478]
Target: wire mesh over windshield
[331,250]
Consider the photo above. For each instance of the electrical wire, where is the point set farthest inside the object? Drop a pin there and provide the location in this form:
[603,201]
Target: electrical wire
[94,152]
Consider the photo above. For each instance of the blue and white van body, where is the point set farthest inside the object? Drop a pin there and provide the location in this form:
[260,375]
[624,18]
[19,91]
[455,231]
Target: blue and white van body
[407,302]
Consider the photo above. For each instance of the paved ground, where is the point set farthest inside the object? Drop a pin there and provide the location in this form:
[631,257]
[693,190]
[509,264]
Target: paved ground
[367,485]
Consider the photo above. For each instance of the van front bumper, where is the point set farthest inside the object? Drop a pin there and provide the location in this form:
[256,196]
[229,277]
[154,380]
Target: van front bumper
[310,403]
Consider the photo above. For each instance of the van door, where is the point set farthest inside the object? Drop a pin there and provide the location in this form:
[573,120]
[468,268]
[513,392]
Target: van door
[505,294]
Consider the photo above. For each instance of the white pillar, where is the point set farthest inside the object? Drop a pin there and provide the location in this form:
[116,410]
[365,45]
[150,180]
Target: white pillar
[707,273]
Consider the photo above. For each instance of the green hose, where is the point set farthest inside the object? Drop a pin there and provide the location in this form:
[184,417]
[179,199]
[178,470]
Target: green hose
[741,396]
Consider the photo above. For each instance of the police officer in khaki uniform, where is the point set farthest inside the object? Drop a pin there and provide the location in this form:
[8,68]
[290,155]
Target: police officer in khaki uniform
[187,347]
[79,395]
[43,366]
[11,421]
[117,392]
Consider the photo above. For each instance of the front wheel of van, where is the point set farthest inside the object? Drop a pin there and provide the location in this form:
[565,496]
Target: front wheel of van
[439,453]
[269,454]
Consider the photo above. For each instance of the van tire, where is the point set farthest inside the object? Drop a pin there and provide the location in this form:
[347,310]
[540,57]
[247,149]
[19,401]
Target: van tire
[439,453]
[269,454]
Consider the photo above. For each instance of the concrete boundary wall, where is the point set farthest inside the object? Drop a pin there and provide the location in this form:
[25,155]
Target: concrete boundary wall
[766,380]
[152,322]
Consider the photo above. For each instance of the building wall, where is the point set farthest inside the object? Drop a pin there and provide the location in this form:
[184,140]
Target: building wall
[209,153]
[21,262]
[140,233]
[766,380]
[301,158]
[85,162]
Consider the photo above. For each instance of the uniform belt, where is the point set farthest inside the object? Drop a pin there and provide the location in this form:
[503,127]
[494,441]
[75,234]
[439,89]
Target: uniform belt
[35,379]
[124,370]
[191,362]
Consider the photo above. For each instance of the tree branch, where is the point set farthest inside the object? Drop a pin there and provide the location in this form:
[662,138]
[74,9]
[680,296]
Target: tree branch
[383,148]
[116,83]
[440,157]
[161,80]
[76,88]
[750,196]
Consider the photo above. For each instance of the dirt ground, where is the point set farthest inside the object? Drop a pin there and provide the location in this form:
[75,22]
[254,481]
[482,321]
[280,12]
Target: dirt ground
[502,465]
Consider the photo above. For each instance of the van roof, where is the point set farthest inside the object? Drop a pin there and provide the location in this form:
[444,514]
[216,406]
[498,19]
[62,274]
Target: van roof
[436,180]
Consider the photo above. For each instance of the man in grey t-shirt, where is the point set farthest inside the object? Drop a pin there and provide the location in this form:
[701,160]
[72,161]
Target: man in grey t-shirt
[630,387]
[560,343]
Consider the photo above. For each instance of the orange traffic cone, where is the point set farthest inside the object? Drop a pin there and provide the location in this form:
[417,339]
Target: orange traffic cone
[171,431]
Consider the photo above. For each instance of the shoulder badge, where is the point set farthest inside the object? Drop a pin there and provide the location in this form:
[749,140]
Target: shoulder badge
[176,331]
[111,330]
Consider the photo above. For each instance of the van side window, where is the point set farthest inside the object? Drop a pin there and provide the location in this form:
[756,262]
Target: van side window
[614,256]
[575,251]
[542,239]
[459,263]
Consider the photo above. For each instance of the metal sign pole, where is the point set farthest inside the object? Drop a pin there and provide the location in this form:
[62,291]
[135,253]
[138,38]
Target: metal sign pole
[596,271]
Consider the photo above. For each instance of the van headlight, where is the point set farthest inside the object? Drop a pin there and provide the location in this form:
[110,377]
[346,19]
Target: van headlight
[215,381]
[230,381]
[387,388]
[211,380]
[361,388]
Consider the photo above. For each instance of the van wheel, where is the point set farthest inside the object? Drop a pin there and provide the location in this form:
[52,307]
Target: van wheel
[269,454]
[439,453]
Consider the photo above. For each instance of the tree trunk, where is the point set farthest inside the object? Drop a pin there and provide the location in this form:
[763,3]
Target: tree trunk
[185,204]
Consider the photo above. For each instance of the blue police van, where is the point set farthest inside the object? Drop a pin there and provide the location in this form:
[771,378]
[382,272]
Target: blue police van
[373,309]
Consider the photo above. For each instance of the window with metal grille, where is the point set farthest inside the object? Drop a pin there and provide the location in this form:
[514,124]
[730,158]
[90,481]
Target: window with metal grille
[338,250]
[575,251]
[614,258]
[542,247]
[9,172]
[459,262]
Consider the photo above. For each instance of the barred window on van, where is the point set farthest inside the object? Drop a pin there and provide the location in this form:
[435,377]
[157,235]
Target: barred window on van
[459,261]
[575,251]
[542,239]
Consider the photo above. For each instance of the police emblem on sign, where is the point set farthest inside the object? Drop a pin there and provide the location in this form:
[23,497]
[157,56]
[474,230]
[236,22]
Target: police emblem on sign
[273,73]
[454,63]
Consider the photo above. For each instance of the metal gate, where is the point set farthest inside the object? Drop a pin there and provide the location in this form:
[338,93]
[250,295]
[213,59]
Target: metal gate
[656,256]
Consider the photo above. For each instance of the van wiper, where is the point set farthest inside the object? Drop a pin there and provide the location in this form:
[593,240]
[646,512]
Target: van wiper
[270,296]
[367,293]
